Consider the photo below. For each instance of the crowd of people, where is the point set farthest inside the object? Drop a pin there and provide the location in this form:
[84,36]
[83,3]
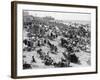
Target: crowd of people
[73,38]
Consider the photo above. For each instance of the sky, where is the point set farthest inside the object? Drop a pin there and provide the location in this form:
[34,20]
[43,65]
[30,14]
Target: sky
[62,15]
